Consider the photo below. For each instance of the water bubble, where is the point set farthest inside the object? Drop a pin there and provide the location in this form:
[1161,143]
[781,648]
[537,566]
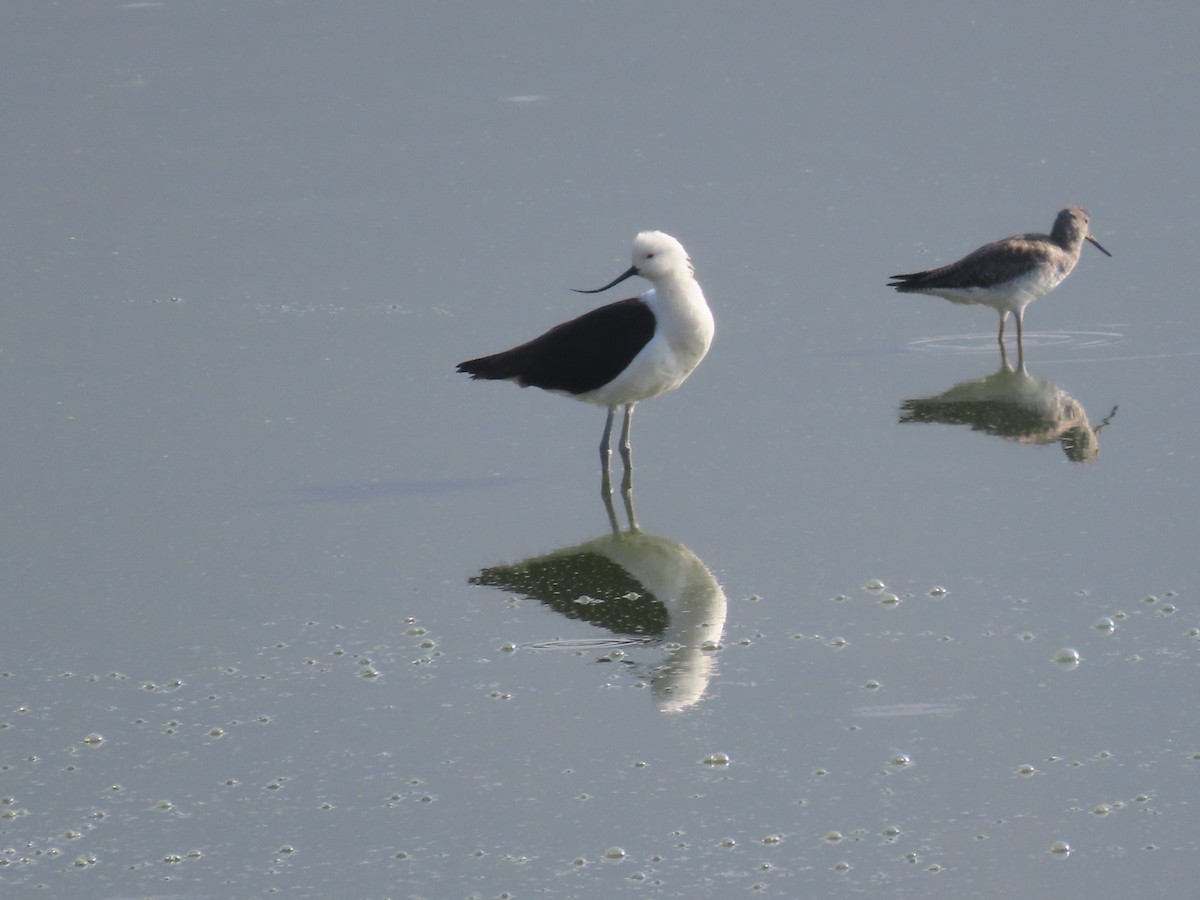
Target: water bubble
[1060,849]
[1067,657]
[716,759]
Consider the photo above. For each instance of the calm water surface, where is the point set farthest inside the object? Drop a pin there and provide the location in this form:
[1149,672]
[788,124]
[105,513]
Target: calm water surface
[292,608]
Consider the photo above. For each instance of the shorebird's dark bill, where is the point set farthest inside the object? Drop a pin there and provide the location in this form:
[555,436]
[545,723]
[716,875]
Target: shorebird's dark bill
[1095,243]
[628,273]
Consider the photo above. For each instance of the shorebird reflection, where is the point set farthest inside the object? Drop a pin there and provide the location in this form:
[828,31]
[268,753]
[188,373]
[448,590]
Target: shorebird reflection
[1013,404]
[644,587]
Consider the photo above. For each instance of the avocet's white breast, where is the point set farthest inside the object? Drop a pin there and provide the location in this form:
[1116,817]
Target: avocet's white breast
[684,325]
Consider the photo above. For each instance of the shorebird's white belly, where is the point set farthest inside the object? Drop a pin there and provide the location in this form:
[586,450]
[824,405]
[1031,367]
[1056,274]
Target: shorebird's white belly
[1010,296]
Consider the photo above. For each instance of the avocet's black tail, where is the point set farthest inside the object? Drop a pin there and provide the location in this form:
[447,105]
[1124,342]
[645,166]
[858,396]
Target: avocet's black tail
[496,367]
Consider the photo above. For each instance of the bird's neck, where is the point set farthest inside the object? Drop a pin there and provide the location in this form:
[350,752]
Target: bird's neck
[683,314]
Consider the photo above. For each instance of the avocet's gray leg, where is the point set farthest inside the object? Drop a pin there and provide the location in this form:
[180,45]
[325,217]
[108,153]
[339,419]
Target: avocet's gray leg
[606,440]
[625,446]
[627,496]
[606,493]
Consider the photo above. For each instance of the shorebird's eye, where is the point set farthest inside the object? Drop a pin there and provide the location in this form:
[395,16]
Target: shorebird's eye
[649,256]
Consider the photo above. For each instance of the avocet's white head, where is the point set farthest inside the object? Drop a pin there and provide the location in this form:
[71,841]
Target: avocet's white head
[656,257]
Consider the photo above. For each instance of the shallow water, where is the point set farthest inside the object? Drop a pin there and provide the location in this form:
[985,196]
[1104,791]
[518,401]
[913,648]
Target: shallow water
[291,607]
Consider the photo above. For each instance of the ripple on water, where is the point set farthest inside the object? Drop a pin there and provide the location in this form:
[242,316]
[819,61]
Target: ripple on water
[985,342]
[908,709]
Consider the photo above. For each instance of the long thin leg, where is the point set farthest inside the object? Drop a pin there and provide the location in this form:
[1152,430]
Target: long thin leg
[1003,319]
[606,439]
[1021,339]
[625,446]
[605,473]
[606,493]
[627,496]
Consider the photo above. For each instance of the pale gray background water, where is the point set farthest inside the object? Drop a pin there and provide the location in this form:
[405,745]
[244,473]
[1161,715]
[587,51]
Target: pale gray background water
[244,245]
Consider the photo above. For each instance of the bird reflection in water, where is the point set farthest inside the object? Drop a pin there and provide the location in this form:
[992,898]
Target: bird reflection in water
[1013,404]
[643,588]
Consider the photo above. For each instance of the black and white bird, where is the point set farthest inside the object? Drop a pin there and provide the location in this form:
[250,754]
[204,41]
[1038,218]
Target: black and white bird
[622,353]
[1010,274]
